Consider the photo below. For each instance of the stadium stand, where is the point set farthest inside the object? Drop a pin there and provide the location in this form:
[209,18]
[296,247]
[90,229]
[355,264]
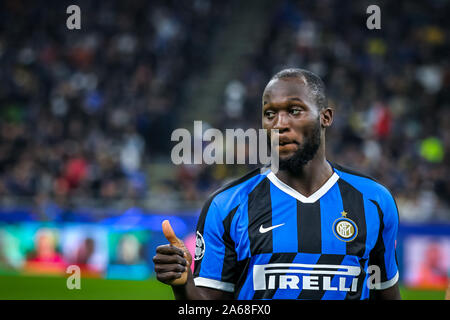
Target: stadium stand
[86,116]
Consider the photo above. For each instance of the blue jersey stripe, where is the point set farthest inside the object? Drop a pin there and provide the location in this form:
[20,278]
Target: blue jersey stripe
[330,210]
[239,232]
[247,291]
[372,225]
[303,258]
[213,258]
[284,213]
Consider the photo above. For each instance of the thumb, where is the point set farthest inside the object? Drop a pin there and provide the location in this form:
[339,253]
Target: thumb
[170,234]
[173,240]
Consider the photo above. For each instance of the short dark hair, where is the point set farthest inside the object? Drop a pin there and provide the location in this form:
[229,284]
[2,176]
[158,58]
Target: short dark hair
[313,81]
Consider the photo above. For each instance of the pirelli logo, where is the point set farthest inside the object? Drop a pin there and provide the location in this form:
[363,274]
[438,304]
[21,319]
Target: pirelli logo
[305,277]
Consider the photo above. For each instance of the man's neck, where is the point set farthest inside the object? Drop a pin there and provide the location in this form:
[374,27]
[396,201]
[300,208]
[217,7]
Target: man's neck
[311,177]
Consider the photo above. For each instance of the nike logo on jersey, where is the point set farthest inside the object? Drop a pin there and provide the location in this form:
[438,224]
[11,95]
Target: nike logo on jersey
[264,230]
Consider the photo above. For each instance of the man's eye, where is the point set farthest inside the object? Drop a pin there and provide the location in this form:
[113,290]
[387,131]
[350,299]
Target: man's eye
[270,114]
[295,111]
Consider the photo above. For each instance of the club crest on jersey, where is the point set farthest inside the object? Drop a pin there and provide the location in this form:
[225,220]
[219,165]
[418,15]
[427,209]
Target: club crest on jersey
[344,228]
[199,246]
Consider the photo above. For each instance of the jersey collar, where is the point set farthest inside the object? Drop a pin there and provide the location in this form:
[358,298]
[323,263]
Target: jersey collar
[297,195]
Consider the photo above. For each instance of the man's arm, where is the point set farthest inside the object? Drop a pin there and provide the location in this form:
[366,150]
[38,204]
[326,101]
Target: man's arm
[383,254]
[172,266]
[191,292]
[391,293]
[171,263]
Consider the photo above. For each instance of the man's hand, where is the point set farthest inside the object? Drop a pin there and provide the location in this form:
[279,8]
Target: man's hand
[172,266]
[172,261]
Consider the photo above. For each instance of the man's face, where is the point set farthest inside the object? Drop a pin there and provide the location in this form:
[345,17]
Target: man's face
[289,107]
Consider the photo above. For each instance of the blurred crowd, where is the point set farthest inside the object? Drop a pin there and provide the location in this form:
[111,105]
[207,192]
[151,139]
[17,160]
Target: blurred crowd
[83,113]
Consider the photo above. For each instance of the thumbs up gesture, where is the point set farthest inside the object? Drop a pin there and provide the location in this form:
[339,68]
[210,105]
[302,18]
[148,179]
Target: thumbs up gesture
[172,261]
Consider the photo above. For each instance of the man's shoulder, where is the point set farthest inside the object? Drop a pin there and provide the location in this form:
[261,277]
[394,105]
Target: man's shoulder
[234,191]
[373,190]
[362,182]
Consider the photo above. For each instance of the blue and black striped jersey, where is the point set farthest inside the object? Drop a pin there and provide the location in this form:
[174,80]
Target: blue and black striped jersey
[261,239]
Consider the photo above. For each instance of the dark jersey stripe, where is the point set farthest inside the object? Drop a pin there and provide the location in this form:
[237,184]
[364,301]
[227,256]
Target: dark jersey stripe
[242,265]
[353,204]
[376,256]
[357,173]
[335,259]
[260,214]
[275,258]
[351,171]
[357,295]
[229,272]
[308,227]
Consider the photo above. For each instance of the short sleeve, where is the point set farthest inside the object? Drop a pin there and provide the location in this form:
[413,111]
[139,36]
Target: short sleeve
[383,255]
[214,250]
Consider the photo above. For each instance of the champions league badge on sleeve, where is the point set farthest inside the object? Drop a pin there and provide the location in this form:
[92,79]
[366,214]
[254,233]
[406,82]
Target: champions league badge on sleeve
[344,228]
[199,246]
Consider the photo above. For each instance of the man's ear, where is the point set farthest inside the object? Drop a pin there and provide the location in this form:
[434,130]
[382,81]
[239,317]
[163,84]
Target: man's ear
[326,117]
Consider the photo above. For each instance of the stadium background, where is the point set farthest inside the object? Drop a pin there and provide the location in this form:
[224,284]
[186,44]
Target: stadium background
[86,118]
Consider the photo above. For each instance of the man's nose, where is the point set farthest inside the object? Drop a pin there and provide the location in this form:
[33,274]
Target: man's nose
[282,121]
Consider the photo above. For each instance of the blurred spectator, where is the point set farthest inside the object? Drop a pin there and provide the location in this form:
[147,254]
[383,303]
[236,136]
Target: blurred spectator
[45,257]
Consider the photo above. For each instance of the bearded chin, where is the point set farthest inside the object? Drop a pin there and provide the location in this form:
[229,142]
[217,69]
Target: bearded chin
[303,155]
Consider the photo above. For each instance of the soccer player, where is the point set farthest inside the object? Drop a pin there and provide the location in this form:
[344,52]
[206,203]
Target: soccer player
[313,230]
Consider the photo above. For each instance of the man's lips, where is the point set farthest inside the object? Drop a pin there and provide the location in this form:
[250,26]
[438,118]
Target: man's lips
[282,144]
[285,145]
[286,141]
